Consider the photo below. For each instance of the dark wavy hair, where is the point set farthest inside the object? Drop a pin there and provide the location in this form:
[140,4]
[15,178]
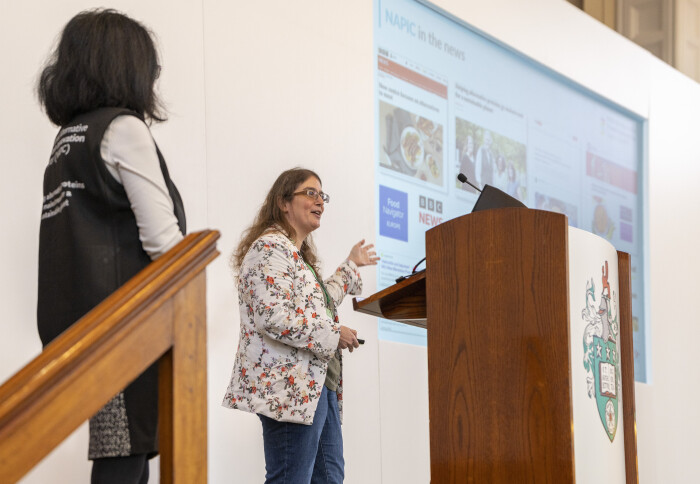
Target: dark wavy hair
[271,215]
[103,59]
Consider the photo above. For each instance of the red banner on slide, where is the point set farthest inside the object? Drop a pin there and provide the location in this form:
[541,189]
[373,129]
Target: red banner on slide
[608,172]
[408,75]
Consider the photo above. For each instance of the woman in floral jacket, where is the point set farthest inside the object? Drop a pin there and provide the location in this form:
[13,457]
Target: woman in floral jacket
[288,367]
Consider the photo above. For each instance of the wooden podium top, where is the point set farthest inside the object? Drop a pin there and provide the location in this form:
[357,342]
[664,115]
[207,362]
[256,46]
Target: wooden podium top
[403,302]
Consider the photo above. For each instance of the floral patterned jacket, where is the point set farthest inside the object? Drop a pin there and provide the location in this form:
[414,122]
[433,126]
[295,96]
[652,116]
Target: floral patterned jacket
[287,337]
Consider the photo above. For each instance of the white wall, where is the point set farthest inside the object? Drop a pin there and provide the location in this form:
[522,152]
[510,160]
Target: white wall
[254,90]
[667,417]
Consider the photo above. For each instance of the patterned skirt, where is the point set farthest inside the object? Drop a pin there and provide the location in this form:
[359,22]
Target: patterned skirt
[128,424]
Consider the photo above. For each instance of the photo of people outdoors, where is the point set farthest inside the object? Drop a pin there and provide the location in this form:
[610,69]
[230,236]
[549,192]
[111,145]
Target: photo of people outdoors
[410,144]
[488,158]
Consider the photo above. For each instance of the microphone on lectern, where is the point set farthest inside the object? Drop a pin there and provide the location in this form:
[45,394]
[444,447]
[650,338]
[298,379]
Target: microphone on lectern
[461,177]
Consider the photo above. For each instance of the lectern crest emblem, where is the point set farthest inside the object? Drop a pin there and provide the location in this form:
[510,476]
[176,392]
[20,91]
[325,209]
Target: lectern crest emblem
[601,356]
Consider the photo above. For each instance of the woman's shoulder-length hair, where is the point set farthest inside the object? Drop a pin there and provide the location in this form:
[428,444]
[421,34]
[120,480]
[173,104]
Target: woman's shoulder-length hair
[103,59]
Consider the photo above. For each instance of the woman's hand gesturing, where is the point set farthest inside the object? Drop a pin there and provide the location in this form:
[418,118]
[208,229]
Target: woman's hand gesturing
[361,254]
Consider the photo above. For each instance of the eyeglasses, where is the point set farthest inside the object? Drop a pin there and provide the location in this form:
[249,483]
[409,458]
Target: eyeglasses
[312,193]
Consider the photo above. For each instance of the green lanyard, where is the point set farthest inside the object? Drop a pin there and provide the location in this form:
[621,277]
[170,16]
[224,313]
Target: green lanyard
[329,309]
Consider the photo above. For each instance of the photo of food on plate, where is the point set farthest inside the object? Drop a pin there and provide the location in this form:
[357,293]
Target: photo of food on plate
[411,144]
[602,224]
[486,157]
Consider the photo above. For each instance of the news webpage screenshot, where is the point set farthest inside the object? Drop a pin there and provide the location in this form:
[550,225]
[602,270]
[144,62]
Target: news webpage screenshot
[448,100]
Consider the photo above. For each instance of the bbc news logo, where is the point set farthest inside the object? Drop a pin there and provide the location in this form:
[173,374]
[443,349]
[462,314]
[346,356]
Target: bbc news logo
[430,204]
[430,211]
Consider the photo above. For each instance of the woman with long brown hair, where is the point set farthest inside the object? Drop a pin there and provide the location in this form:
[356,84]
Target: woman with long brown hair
[288,367]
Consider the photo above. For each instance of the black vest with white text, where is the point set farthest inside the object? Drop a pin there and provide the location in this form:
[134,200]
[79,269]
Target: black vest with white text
[89,241]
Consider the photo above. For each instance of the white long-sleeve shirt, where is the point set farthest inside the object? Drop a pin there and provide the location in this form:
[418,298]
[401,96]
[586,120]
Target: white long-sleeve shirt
[130,156]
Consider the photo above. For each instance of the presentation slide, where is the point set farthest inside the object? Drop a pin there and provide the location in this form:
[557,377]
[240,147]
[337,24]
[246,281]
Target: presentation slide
[450,100]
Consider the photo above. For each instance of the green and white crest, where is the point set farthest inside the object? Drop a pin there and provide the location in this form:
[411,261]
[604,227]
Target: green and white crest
[601,356]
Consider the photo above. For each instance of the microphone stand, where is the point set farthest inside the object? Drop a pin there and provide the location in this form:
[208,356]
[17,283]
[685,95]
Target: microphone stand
[461,177]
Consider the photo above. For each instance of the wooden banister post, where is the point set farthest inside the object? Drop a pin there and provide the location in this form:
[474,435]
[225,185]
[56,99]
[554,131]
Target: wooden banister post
[183,390]
[165,416]
[159,313]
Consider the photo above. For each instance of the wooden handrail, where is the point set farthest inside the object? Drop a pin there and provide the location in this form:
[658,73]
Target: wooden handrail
[160,312]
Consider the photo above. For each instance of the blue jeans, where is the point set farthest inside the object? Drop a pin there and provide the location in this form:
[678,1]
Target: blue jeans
[302,454]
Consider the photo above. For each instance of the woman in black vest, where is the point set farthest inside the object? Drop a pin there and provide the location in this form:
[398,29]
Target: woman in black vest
[109,208]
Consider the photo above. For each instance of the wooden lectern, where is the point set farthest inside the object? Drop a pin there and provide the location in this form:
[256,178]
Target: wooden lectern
[495,300]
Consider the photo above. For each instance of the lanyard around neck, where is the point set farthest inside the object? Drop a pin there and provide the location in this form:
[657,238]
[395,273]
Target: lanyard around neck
[320,283]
